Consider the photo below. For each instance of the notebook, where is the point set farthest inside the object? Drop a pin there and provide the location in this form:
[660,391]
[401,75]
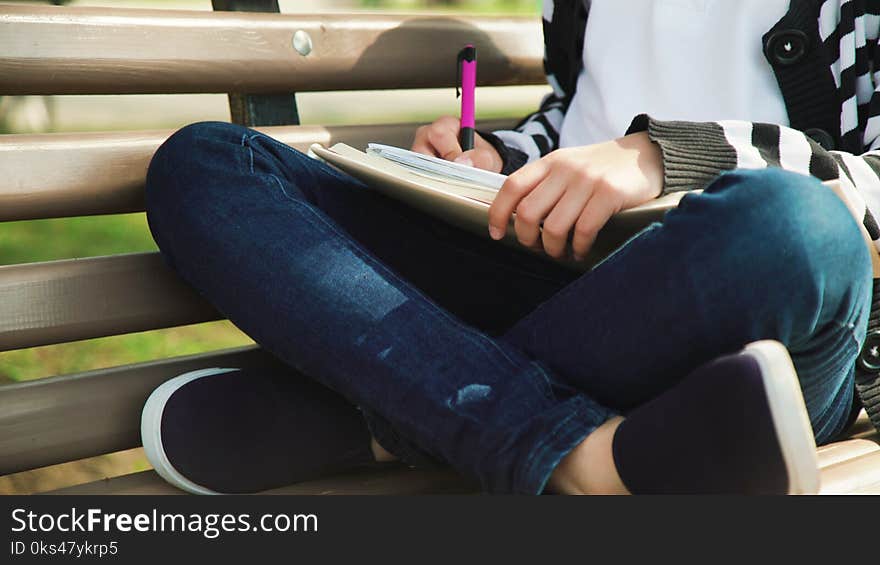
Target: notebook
[437,168]
[461,195]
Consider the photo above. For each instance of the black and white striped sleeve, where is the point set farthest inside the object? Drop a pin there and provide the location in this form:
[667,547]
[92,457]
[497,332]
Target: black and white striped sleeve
[694,153]
[535,136]
[538,133]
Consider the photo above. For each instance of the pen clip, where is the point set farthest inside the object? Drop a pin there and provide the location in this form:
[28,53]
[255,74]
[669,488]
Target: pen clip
[458,61]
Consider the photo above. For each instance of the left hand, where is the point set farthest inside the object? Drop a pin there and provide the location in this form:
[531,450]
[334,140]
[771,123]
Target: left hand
[579,189]
[440,139]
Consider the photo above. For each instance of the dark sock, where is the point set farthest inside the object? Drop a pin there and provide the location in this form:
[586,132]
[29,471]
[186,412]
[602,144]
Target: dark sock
[713,433]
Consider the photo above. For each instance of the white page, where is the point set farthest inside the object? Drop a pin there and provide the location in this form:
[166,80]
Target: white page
[432,165]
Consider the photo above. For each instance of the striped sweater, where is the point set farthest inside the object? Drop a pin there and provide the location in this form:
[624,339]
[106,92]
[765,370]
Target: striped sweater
[826,58]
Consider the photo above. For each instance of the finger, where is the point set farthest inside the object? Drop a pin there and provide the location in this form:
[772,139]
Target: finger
[595,215]
[479,158]
[467,158]
[535,206]
[420,142]
[424,148]
[514,189]
[559,223]
[445,142]
[488,159]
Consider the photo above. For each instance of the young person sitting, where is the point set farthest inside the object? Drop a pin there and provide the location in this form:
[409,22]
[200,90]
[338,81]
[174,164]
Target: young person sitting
[707,354]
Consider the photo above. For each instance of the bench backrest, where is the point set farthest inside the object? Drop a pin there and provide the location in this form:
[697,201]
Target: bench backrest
[57,50]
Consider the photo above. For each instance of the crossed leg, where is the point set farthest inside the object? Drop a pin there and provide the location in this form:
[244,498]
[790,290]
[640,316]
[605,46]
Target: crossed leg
[490,359]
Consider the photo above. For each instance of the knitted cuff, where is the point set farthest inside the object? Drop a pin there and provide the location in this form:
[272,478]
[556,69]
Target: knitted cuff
[512,159]
[694,153]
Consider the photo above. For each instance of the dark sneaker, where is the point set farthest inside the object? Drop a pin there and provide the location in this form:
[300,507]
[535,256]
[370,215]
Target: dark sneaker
[735,425]
[239,431]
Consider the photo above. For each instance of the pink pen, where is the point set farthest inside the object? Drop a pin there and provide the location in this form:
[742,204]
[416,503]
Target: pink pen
[467,78]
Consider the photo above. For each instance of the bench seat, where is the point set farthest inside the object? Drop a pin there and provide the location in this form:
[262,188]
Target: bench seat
[850,466]
[71,417]
[396,480]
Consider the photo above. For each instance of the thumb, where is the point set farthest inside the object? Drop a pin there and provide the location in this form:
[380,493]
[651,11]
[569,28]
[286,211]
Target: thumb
[466,158]
[478,158]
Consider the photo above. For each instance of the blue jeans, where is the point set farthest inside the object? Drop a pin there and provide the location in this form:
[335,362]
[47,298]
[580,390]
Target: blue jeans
[491,359]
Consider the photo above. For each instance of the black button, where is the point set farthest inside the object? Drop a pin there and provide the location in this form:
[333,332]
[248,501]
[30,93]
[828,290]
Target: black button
[822,137]
[869,358]
[786,47]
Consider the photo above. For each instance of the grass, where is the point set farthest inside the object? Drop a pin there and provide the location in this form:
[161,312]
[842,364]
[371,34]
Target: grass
[46,240]
[64,238]
[37,362]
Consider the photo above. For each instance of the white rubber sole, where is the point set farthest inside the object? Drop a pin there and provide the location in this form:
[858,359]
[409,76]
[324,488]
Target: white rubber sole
[790,418]
[151,429]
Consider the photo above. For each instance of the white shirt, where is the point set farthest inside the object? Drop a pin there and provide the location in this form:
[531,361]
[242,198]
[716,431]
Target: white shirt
[694,60]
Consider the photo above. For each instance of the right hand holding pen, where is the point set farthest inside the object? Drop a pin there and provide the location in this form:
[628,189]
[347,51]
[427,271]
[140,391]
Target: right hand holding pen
[440,139]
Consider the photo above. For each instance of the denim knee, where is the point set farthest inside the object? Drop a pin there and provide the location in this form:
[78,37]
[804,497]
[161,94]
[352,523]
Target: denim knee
[183,154]
[801,231]
[185,161]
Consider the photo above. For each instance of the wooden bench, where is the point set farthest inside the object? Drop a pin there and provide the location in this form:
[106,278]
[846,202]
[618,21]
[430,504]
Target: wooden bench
[260,58]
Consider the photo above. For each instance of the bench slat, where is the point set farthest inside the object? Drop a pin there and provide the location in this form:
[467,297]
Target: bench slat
[61,301]
[103,173]
[67,418]
[840,451]
[852,475]
[392,481]
[63,50]
[60,419]
[855,475]
[143,482]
